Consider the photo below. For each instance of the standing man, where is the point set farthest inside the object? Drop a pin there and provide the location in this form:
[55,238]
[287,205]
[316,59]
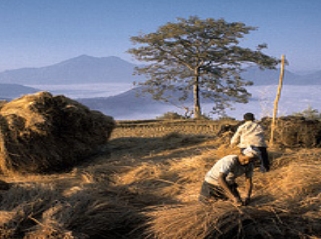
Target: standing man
[251,133]
[219,182]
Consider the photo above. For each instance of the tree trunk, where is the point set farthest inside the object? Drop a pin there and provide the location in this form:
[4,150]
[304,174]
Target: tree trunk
[197,105]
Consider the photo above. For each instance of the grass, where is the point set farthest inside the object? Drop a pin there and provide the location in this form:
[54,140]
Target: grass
[147,187]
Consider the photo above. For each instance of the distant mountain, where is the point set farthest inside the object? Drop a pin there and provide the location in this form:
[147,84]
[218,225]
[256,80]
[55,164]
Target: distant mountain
[271,77]
[314,77]
[87,69]
[81,69]
[123,104]
[11,91]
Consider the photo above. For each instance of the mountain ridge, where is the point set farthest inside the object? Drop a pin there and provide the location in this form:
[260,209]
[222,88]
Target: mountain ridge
[112,69]
[11,91]
[81,69]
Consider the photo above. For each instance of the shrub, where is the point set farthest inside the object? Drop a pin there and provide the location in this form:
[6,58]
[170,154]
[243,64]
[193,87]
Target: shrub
[170,116]
[309,114]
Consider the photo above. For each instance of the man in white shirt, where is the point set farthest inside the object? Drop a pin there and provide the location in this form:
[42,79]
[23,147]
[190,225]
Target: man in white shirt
[219,181]
[252,133]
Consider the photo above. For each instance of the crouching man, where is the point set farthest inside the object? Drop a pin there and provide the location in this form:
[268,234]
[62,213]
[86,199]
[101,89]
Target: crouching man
[219,182]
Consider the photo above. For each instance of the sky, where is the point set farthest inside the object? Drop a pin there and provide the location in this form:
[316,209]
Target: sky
[37,33]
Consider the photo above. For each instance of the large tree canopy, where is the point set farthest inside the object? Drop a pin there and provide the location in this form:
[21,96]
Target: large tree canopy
[202,57]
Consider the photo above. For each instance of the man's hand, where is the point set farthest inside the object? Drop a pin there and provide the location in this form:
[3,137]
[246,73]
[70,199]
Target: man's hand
[246,201]
[238,202]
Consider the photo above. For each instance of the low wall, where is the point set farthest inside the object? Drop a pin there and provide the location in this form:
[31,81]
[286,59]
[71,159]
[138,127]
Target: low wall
[159,128]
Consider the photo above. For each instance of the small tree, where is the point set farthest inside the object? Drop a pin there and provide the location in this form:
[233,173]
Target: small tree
[309,113]
[197,56]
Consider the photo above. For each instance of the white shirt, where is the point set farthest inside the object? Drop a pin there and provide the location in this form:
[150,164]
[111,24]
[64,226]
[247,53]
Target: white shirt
[230,166]
[249,133]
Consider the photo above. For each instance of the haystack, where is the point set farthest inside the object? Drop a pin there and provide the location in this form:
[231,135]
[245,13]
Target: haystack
[223,221]
[295,132]
[44,133]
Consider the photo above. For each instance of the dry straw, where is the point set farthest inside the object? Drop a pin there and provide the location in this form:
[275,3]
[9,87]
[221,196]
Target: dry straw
[295,132]
[223,220]
[147,188]
[284,202]
[41,133]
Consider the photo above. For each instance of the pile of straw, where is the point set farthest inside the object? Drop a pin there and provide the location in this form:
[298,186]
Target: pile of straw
[285,204]
[295,132]
[43,133]
[148,188]
[40,211]
[224,221]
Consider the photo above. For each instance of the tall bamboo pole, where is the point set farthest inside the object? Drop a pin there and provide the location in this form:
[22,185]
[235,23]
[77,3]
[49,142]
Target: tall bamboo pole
[276,101]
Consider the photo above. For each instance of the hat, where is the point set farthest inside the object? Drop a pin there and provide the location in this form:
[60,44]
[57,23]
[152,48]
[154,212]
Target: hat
[248,116]
[252,152]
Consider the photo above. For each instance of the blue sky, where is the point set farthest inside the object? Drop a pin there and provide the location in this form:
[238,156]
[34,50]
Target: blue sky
[36,33]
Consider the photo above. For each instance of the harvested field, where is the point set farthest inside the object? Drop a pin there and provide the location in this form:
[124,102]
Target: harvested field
[290,132]
[146,187]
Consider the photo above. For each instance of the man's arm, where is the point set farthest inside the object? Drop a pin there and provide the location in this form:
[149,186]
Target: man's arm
[236,137]
[248,188]
[228,192]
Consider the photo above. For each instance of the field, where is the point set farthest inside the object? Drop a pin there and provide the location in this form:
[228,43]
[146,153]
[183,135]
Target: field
[146,186]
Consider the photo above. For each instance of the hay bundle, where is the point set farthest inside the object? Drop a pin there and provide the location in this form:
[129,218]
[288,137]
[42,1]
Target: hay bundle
[41,133]
[224,221]
[293,132]
[294,182]
[32,211]
[86,219]
[280,208]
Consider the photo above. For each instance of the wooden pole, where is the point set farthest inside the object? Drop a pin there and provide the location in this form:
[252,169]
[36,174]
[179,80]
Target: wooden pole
[276,101]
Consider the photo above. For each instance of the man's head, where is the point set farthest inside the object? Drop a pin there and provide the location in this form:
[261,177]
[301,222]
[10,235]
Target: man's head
[249,154]
[249,117]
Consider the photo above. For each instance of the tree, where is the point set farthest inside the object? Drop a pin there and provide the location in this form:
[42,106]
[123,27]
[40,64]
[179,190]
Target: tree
[201,57]
[309,113]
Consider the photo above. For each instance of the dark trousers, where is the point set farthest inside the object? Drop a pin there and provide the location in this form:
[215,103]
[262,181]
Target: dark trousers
[212,192]
[265,163]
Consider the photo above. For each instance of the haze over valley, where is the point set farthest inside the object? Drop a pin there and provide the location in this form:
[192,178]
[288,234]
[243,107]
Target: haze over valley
[106,84]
